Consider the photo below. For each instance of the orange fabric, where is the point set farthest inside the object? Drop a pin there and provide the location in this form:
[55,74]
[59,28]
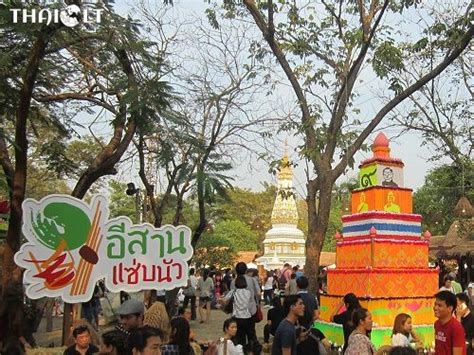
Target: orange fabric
[371,283]
[386,255]
[384,310]
[353,256]
[376,199]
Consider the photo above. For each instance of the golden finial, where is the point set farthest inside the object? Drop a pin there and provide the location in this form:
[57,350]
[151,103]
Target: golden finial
[285,173]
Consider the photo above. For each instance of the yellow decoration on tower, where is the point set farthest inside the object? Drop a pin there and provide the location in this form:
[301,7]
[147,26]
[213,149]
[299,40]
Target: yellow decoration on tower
[285,173]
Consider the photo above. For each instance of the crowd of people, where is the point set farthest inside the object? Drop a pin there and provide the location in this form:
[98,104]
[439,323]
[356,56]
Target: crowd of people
[289,328]
[293,310]
[147,328]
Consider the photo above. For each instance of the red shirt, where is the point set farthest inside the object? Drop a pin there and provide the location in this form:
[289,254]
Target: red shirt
[449,336]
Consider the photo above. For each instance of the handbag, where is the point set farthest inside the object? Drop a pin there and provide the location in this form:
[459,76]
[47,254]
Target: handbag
[258,316]
[189,291]
[229,306]
[212,349]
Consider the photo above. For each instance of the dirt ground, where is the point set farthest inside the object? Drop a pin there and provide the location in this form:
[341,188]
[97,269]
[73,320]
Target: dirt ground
[208,331]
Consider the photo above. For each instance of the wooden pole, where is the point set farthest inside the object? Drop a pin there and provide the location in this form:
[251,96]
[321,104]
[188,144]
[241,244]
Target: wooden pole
[67,321]
[49,314]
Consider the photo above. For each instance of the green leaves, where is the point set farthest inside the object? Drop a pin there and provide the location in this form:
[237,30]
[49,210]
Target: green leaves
[212,179]
[448,35]
[212,18]
[56,159]
[387,59]
[420,45]
[252,208]
[239,234]
[213,249]
[436,199]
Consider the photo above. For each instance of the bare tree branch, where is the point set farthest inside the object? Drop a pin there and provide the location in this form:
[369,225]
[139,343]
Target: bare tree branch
[455,53]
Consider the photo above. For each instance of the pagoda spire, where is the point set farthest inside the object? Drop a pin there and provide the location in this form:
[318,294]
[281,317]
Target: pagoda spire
[285,171]
[284,209]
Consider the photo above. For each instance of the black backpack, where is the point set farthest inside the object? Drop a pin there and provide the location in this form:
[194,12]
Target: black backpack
[282,280]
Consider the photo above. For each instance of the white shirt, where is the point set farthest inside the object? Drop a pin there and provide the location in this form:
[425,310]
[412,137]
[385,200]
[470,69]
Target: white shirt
[252,285]
[205,287]
[400,339]
[193,280]
[268,284]
[244,303]
[451,289]
[231,348]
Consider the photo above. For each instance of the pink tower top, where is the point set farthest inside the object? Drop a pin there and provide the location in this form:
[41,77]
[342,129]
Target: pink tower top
[381,150]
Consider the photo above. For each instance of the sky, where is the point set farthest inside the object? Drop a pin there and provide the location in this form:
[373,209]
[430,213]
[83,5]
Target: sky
[250,172]
[406,148]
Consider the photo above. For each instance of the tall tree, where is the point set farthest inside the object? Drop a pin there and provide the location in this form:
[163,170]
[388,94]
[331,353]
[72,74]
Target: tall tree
[214,250]
[216,72]
[110,67]
[17,93]
[436,199]
[238,234]
[323,51]
[441,111]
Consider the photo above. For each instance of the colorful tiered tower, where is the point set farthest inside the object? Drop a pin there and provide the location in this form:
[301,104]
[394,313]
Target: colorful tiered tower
[382,256]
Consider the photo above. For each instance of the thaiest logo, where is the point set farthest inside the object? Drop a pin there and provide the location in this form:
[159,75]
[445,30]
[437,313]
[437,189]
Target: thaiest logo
[69,16]
[72,244]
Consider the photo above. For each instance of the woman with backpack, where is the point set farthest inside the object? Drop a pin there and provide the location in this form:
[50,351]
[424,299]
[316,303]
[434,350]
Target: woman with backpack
[244,307]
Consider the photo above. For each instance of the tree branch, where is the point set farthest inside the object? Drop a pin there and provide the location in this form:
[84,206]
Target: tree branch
[345,92]
[455,53]
[310,133]
[75,96]
[105,162]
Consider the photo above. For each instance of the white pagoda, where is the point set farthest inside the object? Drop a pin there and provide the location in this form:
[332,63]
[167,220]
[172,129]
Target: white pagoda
[284,243]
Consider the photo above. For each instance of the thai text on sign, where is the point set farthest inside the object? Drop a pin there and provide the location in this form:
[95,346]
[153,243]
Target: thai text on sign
[72,244]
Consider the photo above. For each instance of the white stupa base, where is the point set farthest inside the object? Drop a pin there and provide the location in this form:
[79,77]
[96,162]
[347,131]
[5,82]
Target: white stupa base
[272,262]
[284,243]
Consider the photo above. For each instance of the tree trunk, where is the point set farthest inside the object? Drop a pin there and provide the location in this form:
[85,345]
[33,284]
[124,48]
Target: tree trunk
[318,219]
[21,151]
[178,216]
[11,278]
[104,163]
[49,314]
[201,203]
